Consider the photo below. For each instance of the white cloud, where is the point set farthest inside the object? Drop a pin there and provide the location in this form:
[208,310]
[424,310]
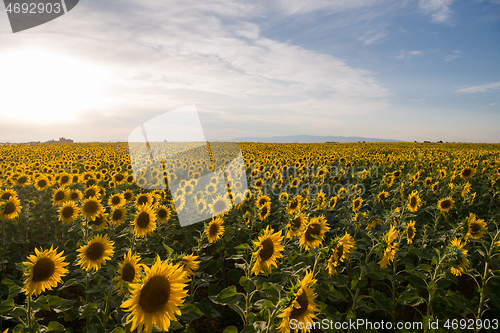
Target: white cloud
[372,38]
[480,88]
[408,54]
[439,10]
[456,54]
[493,104]
[290,7]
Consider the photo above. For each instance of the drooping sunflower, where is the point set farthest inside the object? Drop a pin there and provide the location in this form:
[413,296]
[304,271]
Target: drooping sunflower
[129,271]
[446,204]
[268,250]
[296,225]
[356,204]
[317,226]
[68,212]
[156,300]
[476,226]
[410,232]
[189,264]
[10,208]
[46,269]
[435,187]
[220,205]
[301,307]
[145,221]
[459,259]
[390,247]
[162,214]
[342,250]
[95,253]
[414,202]
[215,229]
[382,196]
[264,211]
[100,221]
[467,173]
[91,207]
[332,202]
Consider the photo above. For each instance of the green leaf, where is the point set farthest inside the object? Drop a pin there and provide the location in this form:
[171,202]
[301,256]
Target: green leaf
[244,246]
[55,326]
[88,310]
[207,308]
[228,292]
[118,330]
[190,312]
[248,329]
[168,248]
[231,329]
[6,306]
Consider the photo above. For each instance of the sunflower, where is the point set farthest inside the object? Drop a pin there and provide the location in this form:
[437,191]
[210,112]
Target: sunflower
[116,200]
[179,203]
[68,212]
[294,205]
[189,264]
[382,196]
[467,173]
[59,196]
[262,200]
[118,215]
[128,271]
[264,211]
[64,179]
[215,229]
[156,300]
[476,227]
[95,253]
[410,232]
[92,191]
[23,180]
[75,195]
[46,269]
[301,308]
[317,226]
[268,250]
[91,207]
[390,247]
[162,214]
[7,193]
[219,205]
[341,252]
[100,221]
[356,204]
[10,208]
[145,221]
[435,187]
[332,202]
[211,188]
[128,195]
[459,259]
[41,183]
[143,199]
[445,204]
[414,202]
[283,197]
[296,225]
[466,190]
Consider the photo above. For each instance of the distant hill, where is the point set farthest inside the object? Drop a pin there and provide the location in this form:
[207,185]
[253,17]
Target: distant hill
[309,139]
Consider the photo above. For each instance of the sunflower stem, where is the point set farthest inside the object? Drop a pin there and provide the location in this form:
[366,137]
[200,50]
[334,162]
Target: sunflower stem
[87,320]
[106,308]
[29,314]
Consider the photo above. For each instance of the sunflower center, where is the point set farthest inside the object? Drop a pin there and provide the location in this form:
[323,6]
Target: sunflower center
[214,230]
[128,195]
[42,183]
[67,212]
[9,208]
[128,272]
[264,211]
[297,222]
[59,195]
[410,233]
[155,294]
[304,303]
[143,199]
[313,229]
[219,206]
[43,269]
[5,196]
[294,204]
[117,214]
[64,179]
[446,204]
[475,227]
[143,220]
[95,251]
[90,193]
[97,221]
[340,250]
[267,250]
[74,196]
[90,207]
[22,180]
[413,201]
[162,213]
[115,200]
[466,172]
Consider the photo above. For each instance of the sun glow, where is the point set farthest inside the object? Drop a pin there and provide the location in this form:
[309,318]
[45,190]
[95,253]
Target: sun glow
[39,86]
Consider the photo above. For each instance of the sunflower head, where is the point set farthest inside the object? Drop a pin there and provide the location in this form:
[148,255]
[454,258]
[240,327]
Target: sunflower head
[264,211]
[220,205]
[446,204]
[68,212]
[410,232]
[157,299]
[189,264]
[296,225]
[145,221]
[314,233]
[95,253]
[45,270]
[458,257]
[10,208]
[476,227]
[129,271]
[268,250]
[414,202]
[215,229]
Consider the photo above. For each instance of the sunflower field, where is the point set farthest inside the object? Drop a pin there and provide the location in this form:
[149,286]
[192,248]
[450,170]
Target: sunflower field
[325,235]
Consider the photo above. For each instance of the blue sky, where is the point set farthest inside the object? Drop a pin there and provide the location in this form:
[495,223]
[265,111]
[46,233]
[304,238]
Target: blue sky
[405,70]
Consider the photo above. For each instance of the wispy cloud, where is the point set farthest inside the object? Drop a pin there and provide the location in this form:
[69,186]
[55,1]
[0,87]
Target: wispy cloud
[480,88]
[408,54]
[373,37]
[439,10]
[456,54]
